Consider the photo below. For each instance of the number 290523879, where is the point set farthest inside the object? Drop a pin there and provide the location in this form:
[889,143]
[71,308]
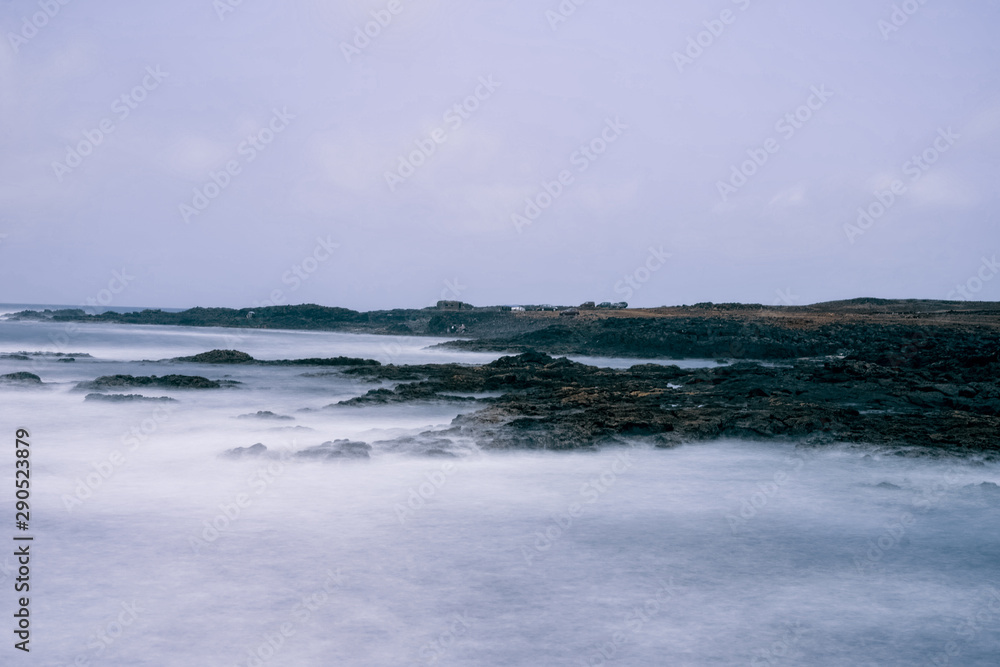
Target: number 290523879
[22,478]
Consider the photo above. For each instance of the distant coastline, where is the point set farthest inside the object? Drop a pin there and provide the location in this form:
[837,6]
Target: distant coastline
[9,308]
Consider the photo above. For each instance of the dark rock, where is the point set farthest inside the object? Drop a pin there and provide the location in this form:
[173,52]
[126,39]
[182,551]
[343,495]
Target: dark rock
[425,444]
[21,377]
[332,361]
[237,357]
[439,453]
[258,449]
[417,391]
[265,414]
[125,398]
[173,381]
[549,403]
[337,449]
[917,375]
[219,357]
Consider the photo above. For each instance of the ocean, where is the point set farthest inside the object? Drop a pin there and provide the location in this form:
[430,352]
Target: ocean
[151,547]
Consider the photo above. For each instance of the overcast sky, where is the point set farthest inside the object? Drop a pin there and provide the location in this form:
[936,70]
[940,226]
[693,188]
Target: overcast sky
[695,183]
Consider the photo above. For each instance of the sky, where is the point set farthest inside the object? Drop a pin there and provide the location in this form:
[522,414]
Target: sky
[391,153]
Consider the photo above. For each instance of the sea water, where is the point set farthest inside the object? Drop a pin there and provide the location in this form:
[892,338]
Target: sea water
[152,548]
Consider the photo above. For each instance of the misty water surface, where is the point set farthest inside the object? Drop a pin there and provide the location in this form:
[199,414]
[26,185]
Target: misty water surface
[152,549]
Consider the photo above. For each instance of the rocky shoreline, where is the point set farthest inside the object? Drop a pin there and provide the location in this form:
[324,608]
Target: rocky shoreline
[917,374]
[549,403]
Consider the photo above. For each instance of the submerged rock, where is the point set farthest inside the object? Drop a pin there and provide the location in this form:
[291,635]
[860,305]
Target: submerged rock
[426,444]
[237,357]
[337,449]
[265,414]
[219,357]
[21,377]
[404,393]
[330,361]
[258,449]
[123,398]
[175,381]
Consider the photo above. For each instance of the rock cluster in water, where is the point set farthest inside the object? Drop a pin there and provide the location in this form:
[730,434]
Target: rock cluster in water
[237,357]
[127,398]
[550,403]
[21,377]
[172,381]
